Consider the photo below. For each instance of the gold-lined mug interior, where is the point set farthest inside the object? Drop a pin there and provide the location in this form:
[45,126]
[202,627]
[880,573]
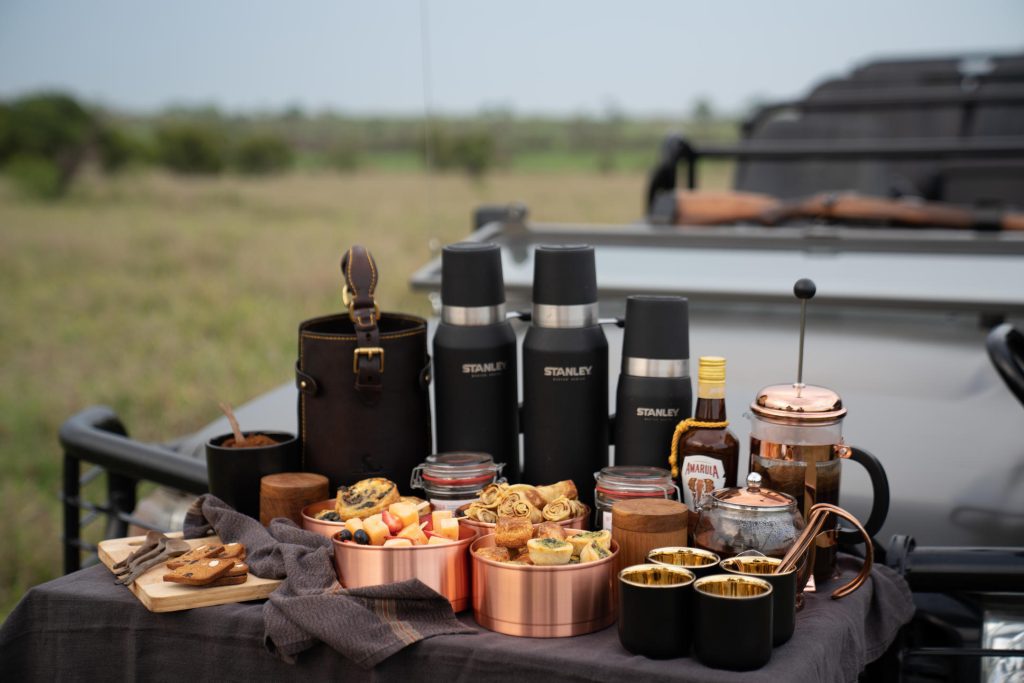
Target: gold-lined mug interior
[683,557]
[655,575]
[752,565]
[733,587]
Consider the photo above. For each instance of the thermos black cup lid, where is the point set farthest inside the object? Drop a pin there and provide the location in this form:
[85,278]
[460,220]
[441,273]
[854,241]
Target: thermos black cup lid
[471,275]
[657,327]
[564,275]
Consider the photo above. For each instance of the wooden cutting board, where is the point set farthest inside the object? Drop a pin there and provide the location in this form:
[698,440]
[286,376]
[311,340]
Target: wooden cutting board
[163,596]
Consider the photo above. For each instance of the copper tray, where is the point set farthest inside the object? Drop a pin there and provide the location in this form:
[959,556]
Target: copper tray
[578,522]
[445,568]
[543,602]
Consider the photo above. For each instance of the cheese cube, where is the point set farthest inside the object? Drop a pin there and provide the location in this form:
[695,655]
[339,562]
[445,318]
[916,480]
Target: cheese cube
[437,540]
[414,533]
[449,529]
[436,516]
[406,512]
[377,530]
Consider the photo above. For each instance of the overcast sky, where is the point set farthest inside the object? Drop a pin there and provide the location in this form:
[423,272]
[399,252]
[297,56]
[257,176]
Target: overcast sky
[531,56]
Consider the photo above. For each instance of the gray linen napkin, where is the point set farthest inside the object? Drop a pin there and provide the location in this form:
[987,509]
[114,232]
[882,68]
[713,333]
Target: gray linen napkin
[366,625]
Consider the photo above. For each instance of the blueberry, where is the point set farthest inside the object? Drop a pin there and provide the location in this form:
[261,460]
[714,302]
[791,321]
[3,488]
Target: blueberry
[331,517]
[362,538]
[344,535]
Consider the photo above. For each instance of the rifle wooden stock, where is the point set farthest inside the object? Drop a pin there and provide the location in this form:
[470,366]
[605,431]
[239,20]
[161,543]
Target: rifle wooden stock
[718,208]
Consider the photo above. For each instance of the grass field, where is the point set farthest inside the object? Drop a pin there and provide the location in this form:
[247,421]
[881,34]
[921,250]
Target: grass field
[161,296]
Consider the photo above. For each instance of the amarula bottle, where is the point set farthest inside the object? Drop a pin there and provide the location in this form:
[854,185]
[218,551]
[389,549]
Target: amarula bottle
[706,452]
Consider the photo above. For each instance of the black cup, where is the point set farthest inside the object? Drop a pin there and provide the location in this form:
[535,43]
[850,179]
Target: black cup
[733,624]
[234,473]
[783,591]
[700,562]
[655,615]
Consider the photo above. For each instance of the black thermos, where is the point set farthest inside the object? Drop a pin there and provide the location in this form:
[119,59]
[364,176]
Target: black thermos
[654,391]
[565,373]
[475,373]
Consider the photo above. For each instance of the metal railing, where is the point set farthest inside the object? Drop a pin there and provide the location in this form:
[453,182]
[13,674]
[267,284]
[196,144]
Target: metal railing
[98,437]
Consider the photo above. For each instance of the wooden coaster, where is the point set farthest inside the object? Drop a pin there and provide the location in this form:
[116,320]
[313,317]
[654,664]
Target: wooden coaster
[285,494]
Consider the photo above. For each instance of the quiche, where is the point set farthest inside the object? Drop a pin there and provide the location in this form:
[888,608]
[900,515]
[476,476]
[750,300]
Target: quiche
[365,498]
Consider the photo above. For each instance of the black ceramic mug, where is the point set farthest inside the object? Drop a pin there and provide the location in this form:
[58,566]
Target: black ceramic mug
[733,621]
[655,610]
[700,562]
[783,591]
[234,473]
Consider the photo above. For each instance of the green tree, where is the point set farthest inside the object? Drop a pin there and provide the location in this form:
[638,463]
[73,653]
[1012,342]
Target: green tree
[190,149]
[263,153]
[45,137]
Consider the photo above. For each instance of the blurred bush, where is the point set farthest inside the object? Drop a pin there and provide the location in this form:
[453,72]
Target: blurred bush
[263,153]
[190,149]
[117,149]
[34,176]
[343,155]
[44,139]
[474,153]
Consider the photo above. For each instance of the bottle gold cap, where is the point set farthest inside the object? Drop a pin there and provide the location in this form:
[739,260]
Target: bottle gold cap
[711,369]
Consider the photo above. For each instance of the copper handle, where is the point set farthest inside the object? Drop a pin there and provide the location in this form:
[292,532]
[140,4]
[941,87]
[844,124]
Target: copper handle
[818,514]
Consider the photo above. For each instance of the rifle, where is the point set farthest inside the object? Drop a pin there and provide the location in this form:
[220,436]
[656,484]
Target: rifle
[717,208]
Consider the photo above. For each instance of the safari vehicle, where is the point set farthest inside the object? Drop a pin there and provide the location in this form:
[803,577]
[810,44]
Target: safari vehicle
[916,325]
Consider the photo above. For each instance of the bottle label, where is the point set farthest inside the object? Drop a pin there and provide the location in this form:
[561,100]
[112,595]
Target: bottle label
[657,414]
[576,373]
[606,520]
[479,370]
[700,476]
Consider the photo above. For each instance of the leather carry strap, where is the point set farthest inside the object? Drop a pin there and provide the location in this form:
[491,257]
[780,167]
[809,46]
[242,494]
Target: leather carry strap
[360,273]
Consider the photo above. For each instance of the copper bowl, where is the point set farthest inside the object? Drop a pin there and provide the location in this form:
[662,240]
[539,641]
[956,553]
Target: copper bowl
[445,567]
[322,527]
[543,602]
[577,522]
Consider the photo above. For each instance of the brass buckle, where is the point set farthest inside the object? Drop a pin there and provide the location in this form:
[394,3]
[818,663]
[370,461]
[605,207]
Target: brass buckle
[350,304]
[370,352]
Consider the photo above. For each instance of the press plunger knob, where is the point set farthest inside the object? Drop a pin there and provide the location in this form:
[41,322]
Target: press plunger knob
[804,288]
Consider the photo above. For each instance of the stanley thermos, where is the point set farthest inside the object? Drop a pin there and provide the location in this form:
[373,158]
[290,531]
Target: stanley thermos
[654,391]
[475,358]
[565,372]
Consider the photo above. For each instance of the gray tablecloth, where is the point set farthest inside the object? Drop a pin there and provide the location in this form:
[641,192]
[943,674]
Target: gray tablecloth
[83,627]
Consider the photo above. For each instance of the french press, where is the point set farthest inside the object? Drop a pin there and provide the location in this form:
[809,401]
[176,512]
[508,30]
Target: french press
[796,445]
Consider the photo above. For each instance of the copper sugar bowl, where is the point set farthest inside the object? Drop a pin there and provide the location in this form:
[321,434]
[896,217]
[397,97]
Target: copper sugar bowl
[734,520]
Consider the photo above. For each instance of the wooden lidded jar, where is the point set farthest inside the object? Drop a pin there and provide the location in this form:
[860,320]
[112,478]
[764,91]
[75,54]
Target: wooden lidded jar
[641,524]
[286,493]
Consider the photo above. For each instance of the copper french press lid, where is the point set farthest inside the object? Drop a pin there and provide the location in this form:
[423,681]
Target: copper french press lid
[799,403]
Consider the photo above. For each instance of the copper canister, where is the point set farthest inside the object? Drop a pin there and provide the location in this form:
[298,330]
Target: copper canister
[443,567]
[543,602]
[641,524]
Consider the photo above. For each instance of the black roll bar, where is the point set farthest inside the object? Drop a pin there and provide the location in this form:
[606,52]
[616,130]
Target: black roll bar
[97,436]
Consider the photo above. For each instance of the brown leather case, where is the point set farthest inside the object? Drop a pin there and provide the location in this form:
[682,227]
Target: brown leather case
[363,379]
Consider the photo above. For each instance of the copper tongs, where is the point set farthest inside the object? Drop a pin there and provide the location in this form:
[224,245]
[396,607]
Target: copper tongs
[816,520]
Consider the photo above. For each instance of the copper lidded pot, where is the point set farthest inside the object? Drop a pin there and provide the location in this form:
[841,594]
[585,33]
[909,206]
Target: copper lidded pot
[797,446]
[734,520]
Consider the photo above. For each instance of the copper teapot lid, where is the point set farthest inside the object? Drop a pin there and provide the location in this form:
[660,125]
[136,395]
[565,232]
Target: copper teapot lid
[753,497]
[798,404]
